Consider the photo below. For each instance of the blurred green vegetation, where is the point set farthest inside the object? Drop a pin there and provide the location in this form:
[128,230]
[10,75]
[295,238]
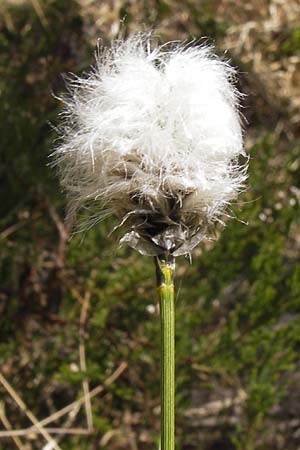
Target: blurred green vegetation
[238,302]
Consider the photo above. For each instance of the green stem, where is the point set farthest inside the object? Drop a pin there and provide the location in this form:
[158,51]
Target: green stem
[165,269]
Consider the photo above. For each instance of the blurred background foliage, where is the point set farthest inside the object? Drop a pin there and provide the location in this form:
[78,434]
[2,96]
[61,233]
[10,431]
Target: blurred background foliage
[238,382]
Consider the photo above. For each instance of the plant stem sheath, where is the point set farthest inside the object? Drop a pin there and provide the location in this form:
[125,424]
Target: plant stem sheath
[165,269]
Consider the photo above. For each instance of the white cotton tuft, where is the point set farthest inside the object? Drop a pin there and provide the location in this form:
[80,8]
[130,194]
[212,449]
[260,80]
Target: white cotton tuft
[153,137]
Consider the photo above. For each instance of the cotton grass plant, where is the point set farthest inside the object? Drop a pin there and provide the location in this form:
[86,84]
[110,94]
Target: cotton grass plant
[152,136]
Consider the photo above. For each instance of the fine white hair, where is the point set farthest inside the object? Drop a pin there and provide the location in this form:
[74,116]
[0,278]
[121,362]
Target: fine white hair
[153,137]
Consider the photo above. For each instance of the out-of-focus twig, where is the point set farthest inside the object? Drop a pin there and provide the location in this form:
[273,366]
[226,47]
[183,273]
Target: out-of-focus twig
[40,13]
[107,437]
[16,226]
[128,429]
[63,232]
[215,407]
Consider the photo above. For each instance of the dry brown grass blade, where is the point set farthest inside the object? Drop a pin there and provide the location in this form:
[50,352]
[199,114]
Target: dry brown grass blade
[82,359]
[32,433]
[27,411]
[8,427]
[97,390]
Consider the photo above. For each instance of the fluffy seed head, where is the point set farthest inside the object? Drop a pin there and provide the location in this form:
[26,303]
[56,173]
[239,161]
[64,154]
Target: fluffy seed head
[153,137]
